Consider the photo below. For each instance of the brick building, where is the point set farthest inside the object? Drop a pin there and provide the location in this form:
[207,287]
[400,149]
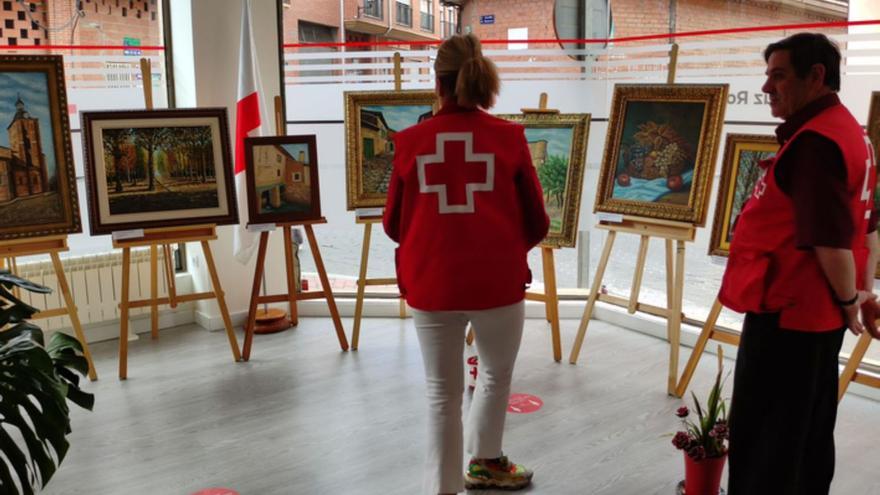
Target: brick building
[103,22]
[23,169]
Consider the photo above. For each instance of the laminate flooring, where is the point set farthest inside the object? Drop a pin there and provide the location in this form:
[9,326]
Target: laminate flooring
[304,418]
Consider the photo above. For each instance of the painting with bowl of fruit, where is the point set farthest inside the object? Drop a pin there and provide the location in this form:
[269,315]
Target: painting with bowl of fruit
[660,151]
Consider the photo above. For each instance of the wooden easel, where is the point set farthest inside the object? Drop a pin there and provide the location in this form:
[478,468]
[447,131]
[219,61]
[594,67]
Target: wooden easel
[709,332]
[154,238]
[646,228]
[291,296]
[51,245]
[851,372]
[550,296]
[368,222]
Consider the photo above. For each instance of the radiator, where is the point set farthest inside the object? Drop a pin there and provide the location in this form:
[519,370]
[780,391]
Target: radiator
[94,284]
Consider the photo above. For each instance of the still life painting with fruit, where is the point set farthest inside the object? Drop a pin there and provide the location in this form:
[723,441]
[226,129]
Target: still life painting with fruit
[658,152]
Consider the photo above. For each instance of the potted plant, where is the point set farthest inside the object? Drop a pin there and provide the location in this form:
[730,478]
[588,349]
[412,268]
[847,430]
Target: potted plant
[704,440]
[36,381]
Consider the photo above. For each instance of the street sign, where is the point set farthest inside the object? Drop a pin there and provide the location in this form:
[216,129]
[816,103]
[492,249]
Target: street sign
[133,42]
[487,19]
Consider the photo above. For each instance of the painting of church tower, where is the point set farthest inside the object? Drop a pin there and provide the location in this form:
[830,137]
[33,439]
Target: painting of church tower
[23,169]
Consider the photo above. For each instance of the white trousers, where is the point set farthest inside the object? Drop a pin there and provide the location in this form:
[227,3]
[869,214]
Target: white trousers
[498,332]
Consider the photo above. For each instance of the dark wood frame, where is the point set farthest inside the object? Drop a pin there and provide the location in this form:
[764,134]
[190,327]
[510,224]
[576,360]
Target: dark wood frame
[714,96]
[729,172]
[254,216]
[53,67]
[97,226]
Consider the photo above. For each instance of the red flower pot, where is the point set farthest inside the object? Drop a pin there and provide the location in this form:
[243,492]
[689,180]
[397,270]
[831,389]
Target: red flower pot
[703,477]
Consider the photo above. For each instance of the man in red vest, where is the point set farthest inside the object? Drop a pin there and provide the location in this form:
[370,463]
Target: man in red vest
[801,266]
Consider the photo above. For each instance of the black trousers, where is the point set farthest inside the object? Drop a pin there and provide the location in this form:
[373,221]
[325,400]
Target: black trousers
[783,410]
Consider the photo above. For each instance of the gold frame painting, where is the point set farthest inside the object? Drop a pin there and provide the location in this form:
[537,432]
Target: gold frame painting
[558,143]
[38,192]
[660,151]
[739,172]
[371,120]
[874,136]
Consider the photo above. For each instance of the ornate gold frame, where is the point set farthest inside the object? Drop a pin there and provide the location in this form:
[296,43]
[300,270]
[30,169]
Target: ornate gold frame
[714,96]
[733,148]
[874,136]
[355,195]
[53,67]
[574,180]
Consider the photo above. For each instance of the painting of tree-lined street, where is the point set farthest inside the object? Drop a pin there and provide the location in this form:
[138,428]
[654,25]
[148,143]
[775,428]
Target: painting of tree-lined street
[160,169]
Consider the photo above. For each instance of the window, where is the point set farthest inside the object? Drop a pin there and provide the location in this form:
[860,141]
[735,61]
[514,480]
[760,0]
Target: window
[427,15]
[7,5]
[372,8]
[9,23]
[404,13]
[315,33]
[21,15]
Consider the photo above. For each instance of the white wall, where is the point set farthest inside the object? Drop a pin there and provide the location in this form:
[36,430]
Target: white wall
[216,28]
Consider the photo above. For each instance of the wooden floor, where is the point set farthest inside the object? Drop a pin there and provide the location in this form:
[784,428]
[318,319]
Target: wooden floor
[304,418]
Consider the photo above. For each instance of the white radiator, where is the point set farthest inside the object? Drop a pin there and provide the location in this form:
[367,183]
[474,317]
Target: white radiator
[94,283]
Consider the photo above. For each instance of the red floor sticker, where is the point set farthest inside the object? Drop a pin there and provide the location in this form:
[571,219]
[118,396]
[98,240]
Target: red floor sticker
[523,403]
[216,491]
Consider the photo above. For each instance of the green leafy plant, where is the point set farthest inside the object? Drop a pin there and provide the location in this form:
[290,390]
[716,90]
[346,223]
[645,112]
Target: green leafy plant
[708,435]
[36,381]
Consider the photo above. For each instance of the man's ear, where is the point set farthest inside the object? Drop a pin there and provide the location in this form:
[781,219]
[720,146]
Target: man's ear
[817,74]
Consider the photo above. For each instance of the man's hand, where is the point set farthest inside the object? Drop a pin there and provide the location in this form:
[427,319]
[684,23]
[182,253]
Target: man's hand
[851,313]
[870,313]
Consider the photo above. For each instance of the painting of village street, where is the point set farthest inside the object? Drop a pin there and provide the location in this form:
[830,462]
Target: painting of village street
[29,171]
[159,169]
[282,179]
[379,124]
[372,119]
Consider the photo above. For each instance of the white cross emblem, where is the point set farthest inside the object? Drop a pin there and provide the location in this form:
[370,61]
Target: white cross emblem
[439,158]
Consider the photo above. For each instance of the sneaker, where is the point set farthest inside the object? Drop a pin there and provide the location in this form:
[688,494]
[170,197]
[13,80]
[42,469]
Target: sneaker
[496,473]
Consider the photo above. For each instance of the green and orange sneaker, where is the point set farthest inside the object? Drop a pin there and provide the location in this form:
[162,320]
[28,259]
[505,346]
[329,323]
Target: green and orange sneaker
[497,473]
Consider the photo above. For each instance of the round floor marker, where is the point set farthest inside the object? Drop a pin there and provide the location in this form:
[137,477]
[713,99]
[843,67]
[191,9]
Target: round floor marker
[216,491]
[523,403]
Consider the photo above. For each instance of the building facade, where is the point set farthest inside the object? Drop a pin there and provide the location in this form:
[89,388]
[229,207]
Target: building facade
[23,169]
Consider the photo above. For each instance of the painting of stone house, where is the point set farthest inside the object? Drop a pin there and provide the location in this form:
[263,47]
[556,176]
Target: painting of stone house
[282,179]
[23,169]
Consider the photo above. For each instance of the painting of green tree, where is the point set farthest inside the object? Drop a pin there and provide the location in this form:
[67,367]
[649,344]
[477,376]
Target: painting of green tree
[550,148]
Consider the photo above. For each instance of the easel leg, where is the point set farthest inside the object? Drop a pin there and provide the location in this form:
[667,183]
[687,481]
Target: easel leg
[855,359]
[669,273]
[674,321]
[250,324]
[362,285]
[72,313]
[169,275]
[328,291]
[154,292]
[221,300]
[594,296]
[697,353]
[291,283]
[123,314]
[637,275]
[552,302]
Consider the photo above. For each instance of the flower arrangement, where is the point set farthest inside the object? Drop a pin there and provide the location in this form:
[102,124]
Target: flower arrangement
[707,436]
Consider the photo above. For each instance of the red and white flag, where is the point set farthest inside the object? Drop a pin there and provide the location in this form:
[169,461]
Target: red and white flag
[247,123]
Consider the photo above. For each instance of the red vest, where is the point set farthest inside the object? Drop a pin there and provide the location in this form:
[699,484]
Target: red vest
[465,204]
[765,271]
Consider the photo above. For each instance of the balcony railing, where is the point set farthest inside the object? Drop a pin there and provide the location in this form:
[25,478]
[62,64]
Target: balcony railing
[404,14]
[372,8]
[427,21]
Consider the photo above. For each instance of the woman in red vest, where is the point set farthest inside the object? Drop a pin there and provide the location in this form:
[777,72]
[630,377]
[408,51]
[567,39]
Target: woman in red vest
[465,205]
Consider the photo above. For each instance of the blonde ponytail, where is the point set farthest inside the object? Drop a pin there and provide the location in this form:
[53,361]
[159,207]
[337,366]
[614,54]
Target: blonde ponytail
[465,73]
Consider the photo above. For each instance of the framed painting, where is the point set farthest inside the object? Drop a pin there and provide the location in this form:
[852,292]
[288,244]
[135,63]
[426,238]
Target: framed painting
[739,173]
[874,135]
[660,151]
[371,120]
[37,178]
[558,144]
[282,179]
[157,168]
